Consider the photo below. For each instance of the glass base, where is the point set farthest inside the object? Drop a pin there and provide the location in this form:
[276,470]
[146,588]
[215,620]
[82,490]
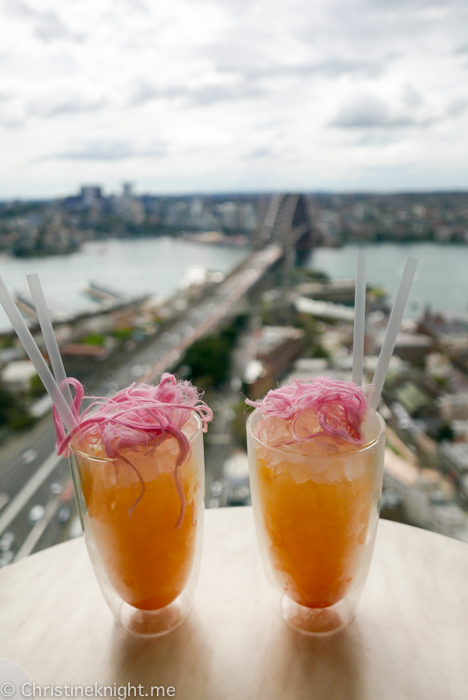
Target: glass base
[151,623]
[317,622]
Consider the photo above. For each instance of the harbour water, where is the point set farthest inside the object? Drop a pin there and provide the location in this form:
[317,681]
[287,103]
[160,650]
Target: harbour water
[441,280]
[157,266]
[154,265]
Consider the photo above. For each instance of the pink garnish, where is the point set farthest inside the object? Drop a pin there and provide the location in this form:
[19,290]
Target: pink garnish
[338,406]
[139,416]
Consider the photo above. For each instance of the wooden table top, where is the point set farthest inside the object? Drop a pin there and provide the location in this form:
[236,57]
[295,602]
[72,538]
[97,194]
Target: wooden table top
[409,638]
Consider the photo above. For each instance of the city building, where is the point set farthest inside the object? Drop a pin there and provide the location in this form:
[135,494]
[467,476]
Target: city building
[276,347]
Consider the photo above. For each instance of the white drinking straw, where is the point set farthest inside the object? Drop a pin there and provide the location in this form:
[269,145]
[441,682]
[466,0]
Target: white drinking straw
[36,358]
[359,317]
[393,327]
[49,336]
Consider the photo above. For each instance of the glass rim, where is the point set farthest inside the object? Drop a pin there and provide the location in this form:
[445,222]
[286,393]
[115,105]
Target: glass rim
[281,448]
[80,453]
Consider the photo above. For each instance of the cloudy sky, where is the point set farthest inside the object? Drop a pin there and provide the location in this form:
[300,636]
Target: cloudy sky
[233,95]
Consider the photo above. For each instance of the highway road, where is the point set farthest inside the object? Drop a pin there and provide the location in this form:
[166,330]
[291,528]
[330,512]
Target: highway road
[32,475]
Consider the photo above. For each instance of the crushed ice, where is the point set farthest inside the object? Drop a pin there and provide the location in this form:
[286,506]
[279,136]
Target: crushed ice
[308,409]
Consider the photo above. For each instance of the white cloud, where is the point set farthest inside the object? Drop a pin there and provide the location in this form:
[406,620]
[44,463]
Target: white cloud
[198,95]
[104,150]
[369,111]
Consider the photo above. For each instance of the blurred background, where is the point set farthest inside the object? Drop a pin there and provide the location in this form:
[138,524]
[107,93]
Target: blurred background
[192,181]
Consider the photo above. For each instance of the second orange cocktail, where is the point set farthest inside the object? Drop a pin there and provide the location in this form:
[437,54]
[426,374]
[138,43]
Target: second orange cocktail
[316,482]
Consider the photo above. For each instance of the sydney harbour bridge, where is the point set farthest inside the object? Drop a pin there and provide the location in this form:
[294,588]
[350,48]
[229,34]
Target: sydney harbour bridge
[289,222]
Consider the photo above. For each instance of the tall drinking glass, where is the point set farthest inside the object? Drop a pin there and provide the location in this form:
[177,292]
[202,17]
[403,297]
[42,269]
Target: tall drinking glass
[316,510]
[142,516]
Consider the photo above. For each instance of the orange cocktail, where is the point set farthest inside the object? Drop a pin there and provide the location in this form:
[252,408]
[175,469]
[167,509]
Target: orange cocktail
[138,470]
[316,510]
[146,546]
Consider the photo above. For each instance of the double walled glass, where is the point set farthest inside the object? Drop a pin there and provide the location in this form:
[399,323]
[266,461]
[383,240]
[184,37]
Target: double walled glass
[316,519]
[142,516]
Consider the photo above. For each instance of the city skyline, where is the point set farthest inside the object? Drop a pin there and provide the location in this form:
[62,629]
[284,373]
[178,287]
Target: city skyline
[233,96]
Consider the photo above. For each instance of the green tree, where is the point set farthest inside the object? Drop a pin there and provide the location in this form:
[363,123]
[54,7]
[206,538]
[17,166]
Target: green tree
[94,339]
[123,334]
[7,403]
[209,360]
[12,412]
[445,433]
[36,387]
